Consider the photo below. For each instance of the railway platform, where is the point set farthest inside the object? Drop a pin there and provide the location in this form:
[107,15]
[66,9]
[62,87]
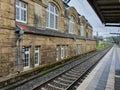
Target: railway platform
[106,75]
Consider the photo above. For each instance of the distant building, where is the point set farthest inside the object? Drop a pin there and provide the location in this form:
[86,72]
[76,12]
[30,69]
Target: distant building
[52,31]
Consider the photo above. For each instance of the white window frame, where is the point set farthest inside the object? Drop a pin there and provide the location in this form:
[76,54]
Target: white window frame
[48,18]
[37,51]
[21,8]
[28,61]
[62,52]
[71,25]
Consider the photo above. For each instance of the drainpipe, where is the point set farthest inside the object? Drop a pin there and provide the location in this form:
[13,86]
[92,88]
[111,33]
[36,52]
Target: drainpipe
[18,55]
[20,36]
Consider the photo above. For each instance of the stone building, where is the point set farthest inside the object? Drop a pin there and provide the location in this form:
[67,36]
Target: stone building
[52,31]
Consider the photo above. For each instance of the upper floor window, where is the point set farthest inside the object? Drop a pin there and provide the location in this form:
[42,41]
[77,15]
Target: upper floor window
[87,35]
[52,16]
[21,11]
[82,30]
[71,25]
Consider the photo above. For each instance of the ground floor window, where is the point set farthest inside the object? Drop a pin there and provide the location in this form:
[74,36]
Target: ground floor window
[26,60]
[57,53]
[78,49]
[88,47]
[37,56]
[67,51]
[62,52]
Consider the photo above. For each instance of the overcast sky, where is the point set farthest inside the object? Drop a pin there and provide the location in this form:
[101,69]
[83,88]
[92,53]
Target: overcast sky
[83,7]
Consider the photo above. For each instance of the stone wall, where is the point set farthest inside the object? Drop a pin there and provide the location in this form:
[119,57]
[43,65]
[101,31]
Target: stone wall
[48,44]
[8,52]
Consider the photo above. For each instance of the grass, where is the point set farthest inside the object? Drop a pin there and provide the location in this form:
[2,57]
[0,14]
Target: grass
[101,46]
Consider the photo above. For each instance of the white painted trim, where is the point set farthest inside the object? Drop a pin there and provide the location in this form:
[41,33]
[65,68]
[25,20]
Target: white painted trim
[21,8]
[54,14]
[62,52]
[57,53]
[37,51]
[27,67]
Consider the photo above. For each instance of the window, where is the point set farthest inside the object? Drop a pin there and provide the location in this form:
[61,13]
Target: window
[37,55]
[26,57]
[78,49]
[79,31]
[87,35]
[71,25]
[21,11]
[62,52]
[52,16]
[82,30]
[57,53]
[67,51]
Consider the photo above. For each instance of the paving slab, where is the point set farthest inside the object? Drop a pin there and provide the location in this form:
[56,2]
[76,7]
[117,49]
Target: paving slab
[102,77]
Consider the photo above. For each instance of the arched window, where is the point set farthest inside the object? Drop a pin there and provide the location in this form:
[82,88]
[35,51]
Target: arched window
[52,16]
[82,30]
[87,34]
[71,25]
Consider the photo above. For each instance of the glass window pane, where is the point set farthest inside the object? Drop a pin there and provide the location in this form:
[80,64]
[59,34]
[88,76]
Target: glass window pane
[56,11]
[17,2]
[51,20]
[23,5]
[47,19]
[17,13]
[21,12]
[52,7]
[27,57]
[25,15]
[52,16]
[56,22]
[22,15]
[36,55]
[71,25]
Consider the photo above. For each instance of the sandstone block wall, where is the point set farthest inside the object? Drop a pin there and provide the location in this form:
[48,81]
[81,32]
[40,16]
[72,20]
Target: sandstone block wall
[36,16]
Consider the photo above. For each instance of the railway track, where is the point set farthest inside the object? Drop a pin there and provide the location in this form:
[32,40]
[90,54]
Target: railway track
[71,79]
